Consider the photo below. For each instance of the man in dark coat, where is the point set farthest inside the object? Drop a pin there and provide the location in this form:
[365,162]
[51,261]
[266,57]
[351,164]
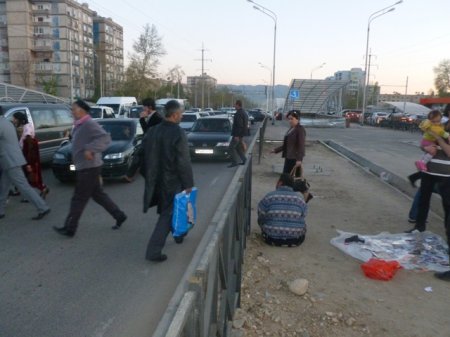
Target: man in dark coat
[168,171]
[149,117]
[239,130]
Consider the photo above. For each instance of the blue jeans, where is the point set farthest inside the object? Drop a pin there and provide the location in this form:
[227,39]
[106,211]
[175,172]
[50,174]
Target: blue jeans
[415,205]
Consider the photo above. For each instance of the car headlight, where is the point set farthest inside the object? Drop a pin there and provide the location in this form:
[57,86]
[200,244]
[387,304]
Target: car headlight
[59,155]
[223,144]
[114,156]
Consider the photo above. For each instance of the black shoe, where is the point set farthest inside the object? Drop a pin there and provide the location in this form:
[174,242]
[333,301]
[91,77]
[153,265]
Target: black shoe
[178,239]
[44,193]
[158,258]
[2,216]
[243,162]
[64,231]
[13,193]
[232,165]
[41,215]
[412,181]
[444,276]
[409,231]
[120,219]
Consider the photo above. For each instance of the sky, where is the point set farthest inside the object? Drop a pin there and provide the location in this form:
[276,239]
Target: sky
[408,42]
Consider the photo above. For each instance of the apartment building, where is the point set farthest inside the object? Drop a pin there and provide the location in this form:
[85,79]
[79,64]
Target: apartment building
[194,81]
[48,45]
[108,43]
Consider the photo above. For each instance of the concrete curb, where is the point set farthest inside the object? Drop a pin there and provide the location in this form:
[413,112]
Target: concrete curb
[390,178]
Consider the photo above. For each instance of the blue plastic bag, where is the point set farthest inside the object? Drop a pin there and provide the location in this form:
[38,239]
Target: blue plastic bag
[184,213]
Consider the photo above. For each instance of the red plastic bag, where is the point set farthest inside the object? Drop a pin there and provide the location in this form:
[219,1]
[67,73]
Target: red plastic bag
[380,269]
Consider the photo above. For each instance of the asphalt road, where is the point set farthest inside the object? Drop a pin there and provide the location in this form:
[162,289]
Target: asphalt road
[98,283]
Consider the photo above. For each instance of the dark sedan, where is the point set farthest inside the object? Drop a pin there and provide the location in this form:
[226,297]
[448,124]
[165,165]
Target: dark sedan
[126,137]
[210,137]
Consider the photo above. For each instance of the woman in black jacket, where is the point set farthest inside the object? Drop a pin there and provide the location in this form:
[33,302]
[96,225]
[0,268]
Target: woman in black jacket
[293,148]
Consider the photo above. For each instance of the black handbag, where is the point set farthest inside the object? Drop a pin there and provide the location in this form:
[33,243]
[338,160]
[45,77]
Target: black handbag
[300,183]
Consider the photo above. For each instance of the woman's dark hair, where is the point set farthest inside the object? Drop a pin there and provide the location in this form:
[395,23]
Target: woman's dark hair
[434,113]
[21,117]
[294,113]
[239,103]
[150,103]
[83,105]
[286,180]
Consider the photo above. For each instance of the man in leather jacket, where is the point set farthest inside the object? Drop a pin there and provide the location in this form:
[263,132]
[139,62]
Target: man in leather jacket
[239,130]
[167,171]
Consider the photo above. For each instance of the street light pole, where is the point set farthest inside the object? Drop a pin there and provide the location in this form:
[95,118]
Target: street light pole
[372,17]
[271,79]
[318,67]
[273,16]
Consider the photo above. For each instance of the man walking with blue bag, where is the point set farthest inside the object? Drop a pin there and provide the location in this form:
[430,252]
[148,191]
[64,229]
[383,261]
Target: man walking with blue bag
[168,171]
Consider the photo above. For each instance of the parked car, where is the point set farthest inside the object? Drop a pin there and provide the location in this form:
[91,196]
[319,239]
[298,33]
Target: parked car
[204,114]
[101,112]
[210,137]
[188,119]
[377,118]
[135,111]
[126,138]
[353,115]
[52,123]
[258,115]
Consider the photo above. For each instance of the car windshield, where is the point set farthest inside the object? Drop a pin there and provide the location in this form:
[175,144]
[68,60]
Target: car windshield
[118,131]
[115,107]
[189,118]
[135,112]
[96,112]
[212,125]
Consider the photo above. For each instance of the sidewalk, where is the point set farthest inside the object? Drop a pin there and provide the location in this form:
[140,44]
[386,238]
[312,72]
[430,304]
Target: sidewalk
[396,151]
[340,300]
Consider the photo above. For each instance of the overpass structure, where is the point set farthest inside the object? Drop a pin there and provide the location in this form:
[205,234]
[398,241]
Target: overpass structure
[315,96]
[13,93]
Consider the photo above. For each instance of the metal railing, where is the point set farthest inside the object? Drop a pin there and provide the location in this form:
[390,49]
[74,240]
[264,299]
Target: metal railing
[13,93]
[209,293]
[262,135]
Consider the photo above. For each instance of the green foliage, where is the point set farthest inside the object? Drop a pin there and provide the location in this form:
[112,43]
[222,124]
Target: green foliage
[49,84]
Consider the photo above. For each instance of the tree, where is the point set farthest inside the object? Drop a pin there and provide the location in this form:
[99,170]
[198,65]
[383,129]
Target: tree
[142,70]
[23,67]
[174,76]
[442,79]
[49,84]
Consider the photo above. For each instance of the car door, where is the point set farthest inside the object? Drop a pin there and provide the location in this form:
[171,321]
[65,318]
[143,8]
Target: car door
[52,125]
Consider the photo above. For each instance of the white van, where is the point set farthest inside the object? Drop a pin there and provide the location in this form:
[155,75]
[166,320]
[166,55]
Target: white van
[161,103]
[120,105]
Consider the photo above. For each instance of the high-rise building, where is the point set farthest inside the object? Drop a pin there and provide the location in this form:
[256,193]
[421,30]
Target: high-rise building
[108,43]
[354,75]
[48,45]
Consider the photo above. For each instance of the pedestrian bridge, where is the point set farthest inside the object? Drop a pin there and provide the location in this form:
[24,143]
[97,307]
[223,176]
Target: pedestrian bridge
[315,96]
[13,93]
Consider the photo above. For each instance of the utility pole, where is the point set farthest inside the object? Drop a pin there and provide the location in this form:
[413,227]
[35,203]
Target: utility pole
[70,66]
[202,77]
[406,93]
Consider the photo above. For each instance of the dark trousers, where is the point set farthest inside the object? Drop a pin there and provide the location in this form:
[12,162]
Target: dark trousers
[88,185]
[288,165]
[162,229]
[427,186]
[237,151]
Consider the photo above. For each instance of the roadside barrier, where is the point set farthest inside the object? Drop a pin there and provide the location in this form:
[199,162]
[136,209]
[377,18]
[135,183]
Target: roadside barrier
[209,292]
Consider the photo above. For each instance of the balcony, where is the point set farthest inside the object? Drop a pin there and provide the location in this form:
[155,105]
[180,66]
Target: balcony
[41,23]
[44,67]
[47,49]
[42,11]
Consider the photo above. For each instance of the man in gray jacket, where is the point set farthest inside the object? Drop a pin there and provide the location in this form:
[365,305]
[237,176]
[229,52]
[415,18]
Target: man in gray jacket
[89,140]
[11,162]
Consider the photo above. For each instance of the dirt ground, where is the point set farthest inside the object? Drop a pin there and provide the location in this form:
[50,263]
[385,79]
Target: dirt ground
[340,300]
